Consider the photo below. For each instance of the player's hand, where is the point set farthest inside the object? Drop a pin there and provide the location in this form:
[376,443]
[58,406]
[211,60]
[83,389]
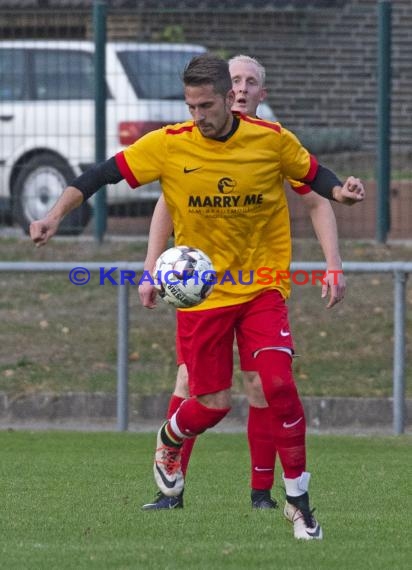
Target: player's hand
[42,230]
[147,295]
[351,192]
[334,283]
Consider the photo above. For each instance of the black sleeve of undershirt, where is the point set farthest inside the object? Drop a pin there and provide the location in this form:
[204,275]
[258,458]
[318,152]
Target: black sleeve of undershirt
[97,176]
[324,182]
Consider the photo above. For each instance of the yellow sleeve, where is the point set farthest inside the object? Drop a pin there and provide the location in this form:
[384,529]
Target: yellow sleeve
[146,157]
[295,160]
[299,187]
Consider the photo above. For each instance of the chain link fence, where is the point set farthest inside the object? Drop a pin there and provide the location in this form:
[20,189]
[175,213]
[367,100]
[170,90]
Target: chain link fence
[321,62]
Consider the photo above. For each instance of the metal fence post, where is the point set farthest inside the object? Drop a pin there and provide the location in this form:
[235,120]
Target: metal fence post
[99,24]
[123,357]
[384,128]
[399,317]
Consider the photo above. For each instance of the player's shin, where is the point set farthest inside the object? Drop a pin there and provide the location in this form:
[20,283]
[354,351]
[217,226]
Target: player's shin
[187,449]
[289,425]
[174,404]
[190,419]
[262,447]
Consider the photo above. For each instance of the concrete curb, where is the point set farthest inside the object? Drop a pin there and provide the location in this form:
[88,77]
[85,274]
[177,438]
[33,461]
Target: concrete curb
[85,409]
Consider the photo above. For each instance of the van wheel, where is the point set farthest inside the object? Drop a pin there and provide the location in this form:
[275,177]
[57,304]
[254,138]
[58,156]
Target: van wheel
[38,185]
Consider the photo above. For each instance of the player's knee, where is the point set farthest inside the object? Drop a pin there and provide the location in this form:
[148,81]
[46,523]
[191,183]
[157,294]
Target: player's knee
[194,416]
[217,400]
[253,389]
[275,371]
[182,382]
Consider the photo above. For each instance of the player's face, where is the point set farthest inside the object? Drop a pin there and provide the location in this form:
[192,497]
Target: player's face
[247,85]
[211,112]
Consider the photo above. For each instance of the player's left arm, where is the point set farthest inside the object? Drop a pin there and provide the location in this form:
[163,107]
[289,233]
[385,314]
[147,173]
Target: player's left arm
[324,224]
[297,163]
[350,193]
[326,183]
[161,228]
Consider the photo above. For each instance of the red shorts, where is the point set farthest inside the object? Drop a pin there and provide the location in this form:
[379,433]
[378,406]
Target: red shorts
[205,339]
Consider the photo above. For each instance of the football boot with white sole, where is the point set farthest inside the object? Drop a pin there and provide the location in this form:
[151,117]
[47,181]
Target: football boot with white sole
[167,468]
[298,512]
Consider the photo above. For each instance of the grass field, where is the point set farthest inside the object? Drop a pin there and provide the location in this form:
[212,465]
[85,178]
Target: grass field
[57,337]
[72,501]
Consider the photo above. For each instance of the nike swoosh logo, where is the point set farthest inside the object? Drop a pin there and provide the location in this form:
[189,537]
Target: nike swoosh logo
[187,170]
[263,469]
[284,333]
[315,533]
[167,483]
[286,425]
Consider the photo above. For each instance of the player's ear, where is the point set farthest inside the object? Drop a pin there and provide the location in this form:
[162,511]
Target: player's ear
[230,98]
[263,94]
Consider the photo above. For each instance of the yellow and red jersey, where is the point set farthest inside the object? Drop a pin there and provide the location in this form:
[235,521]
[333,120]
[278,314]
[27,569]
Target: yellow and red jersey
[227,198]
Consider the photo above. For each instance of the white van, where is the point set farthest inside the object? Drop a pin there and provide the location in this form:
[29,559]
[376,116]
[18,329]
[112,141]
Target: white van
[47,117]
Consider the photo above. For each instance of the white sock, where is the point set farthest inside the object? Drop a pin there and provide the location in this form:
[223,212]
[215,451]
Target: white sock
[175,427]
[298,486]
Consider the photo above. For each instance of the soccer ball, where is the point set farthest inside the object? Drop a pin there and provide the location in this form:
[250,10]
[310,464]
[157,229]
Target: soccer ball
[184,276]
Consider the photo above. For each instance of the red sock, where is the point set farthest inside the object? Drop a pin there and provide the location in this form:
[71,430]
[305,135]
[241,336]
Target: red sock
[289,426]
[262,447]
[174,404]
[187,448]
[193,418]
[291,447]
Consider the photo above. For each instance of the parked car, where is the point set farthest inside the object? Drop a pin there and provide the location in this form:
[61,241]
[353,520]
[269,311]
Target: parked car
[47,117]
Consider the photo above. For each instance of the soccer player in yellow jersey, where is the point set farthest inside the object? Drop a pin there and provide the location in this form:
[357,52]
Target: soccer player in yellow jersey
[222,177]
[248,80]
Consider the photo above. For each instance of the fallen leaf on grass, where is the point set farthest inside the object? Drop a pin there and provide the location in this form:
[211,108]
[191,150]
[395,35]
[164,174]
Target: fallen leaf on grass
[44,296]
[100,366]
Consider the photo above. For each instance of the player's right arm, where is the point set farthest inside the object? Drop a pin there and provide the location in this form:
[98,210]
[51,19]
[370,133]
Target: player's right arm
[161,228]
[42,230]
[81,189]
